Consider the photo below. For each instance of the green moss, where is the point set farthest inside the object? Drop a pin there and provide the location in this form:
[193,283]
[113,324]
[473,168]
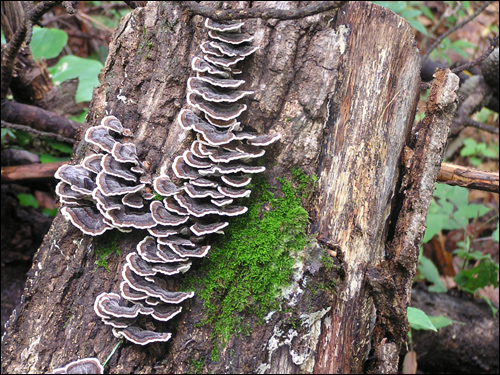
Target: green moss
[247,267]
[106,246]
[197,365]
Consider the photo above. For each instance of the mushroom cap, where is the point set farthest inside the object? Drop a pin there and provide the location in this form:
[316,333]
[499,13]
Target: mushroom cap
[88,219]
[231,38]
[213,94]
[125,153]
[118,169]
[92,163]
[99,136]
[141,336]
[223,27]
[219,111]
[110,185]
[112,123]
[81,366]
[126,217]
[77,176]
[200,229]
[163,217]
[152,289]
[202,66]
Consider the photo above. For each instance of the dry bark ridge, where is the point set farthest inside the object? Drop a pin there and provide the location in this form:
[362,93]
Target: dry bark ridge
[342,89]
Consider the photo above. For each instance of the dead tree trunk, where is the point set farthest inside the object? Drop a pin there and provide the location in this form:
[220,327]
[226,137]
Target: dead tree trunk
[342,88]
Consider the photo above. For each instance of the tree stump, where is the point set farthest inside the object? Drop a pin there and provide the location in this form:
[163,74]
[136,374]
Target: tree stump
[341,88]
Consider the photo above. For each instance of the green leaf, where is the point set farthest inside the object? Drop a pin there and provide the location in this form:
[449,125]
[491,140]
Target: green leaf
[6,132]
[417,25]
[28,200]
[395,6]
[427,12]
[49,212]
[81,116]
[86,70]
[470,211]
[485,273]
[410,13]
[46,158]
[419,320]
[23,138]
[495,235]
[470,147]
[60,146]
[442,321]
[4,41]
[47,43]
[430,272]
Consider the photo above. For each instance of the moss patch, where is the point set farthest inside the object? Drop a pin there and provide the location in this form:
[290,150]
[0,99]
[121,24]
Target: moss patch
[247,267]
[107,245]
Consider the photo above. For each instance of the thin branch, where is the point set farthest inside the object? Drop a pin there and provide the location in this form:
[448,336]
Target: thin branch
[472,178]
[480,125]
[264,13]
[30,172]
[38,133]
[491,48]
[453,29]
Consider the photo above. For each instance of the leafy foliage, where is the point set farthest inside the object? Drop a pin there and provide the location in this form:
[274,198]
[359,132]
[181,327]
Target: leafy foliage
[473,149]
[450,209]
[47,43]
[409,10]
[419,319]
[86,70]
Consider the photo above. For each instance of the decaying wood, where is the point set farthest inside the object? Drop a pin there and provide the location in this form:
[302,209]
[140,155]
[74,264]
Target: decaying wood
[342,88]
[392,279]
[457,175]
[38,118]
[30,172]
[469,345]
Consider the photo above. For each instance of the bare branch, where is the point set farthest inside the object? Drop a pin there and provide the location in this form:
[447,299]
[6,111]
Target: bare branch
[453,29]
[457,175]
[491,48]
[38,133]
[30,172]
[265,13]
[480,125]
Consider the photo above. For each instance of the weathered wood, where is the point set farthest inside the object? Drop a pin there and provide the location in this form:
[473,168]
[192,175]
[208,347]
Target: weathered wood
[342,89]
[457,175]
[30,171]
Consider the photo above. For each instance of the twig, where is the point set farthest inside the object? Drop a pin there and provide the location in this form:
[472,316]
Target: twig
[491,48]
[96,22]
[264,13]
[456,175]
[30,172]
[38,133]
[480,125]
[453,29]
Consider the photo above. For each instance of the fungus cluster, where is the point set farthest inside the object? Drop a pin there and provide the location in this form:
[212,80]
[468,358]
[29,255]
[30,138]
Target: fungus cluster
[110,188]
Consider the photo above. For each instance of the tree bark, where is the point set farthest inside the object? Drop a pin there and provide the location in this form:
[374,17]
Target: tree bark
[342,89]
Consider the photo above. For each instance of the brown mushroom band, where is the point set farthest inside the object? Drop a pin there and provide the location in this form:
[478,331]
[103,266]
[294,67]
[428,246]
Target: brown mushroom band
[110,188]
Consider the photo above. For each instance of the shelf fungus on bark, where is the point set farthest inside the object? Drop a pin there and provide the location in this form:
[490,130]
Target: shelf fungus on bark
[81,366]
[112,190]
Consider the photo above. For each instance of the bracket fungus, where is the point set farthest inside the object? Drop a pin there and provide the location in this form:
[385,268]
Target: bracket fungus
[81,366]
[112,189]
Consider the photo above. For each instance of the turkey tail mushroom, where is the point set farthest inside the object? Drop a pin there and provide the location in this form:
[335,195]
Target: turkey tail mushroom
[110,189]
